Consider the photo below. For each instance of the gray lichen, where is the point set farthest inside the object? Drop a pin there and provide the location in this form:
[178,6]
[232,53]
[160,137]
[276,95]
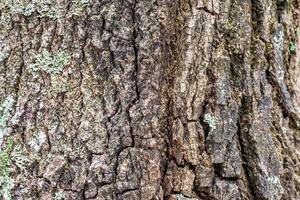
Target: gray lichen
[60,195]
[18,158]
[279,40]
[23,7]
[37,141]
[45,8]
[182,197]
[210,120]
[79,7]
[51,63]
[5,109]
[59,86]
[6,182]
[2,56]
[10,155]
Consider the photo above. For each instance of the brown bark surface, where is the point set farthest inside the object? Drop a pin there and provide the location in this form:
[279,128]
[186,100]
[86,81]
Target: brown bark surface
[150,99]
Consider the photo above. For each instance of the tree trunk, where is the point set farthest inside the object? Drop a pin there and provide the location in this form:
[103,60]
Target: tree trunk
[148,99]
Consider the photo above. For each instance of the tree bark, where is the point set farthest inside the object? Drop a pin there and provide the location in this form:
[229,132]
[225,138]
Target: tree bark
[170,99]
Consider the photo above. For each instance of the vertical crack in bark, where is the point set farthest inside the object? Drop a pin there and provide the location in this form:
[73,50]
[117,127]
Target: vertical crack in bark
[136,70]
[201,119]
[244,124]
[21,69]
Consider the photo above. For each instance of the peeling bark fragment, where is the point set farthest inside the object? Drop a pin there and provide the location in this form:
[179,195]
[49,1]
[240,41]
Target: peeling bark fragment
[232,166]
[91,191]
[53,169]
[187,139]
[226,190]
[79,176]
[204,173]
[179,180]
[209,6]
[233,162]
[106,192]
[138,170]
[216,143]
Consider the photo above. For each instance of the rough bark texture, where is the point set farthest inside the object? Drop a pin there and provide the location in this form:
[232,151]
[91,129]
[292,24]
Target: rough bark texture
[152,99]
